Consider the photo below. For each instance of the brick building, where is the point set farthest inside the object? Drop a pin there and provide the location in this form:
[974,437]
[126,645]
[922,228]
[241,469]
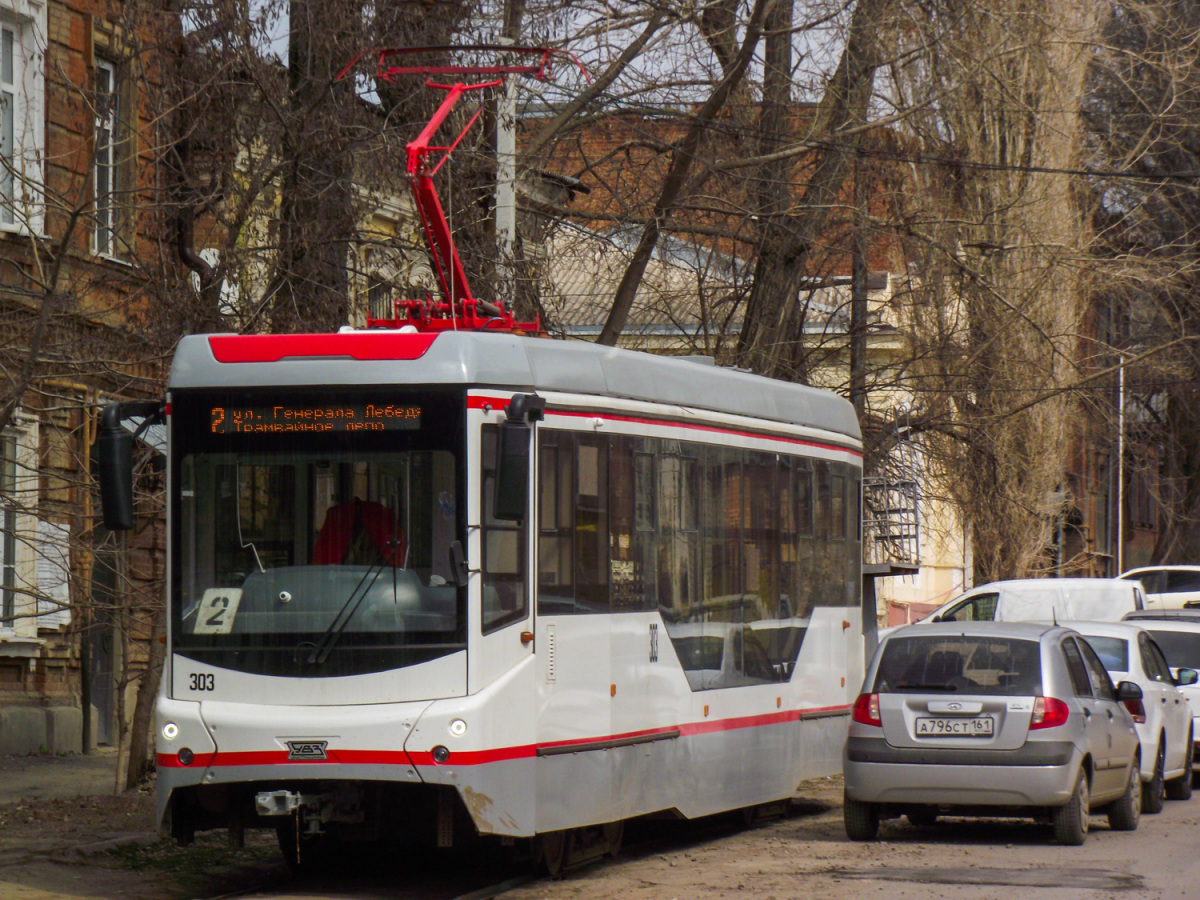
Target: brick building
[82,276]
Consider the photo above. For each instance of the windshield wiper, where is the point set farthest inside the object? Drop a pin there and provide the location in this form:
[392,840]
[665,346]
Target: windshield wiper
[332,634]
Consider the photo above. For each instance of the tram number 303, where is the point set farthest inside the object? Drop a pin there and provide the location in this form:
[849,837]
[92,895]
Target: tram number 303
[202,681]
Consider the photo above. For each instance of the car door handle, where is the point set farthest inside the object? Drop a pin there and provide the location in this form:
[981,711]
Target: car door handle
[1110,715]
[1087,713]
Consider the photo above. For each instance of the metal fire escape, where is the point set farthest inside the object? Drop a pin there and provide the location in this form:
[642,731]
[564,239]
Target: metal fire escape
[891,503]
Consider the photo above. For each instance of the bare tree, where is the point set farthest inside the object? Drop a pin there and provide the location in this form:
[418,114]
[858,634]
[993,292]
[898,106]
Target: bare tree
[998,233]
[1141,113]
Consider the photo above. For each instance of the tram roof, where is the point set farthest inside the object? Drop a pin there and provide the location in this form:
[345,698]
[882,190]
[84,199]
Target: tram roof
[508,361]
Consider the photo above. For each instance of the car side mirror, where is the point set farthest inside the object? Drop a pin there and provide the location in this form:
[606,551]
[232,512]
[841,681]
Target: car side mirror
[1186,676]
[1127,691]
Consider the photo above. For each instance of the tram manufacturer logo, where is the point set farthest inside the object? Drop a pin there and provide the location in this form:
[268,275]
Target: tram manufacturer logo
[307,750]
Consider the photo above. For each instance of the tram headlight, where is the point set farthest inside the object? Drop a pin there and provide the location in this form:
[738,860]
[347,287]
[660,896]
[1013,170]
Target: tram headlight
[186,756]
[170,731]
[458,727]
[440,754]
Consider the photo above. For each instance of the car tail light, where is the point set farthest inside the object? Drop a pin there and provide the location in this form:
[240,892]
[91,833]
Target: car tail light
[1137,710]
[866,710]
[1048,712]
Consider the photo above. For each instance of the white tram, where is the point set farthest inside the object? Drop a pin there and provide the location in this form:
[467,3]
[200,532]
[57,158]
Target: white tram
[431,585]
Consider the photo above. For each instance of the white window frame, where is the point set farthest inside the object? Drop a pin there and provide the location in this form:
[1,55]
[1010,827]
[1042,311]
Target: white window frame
[23,23]
[19,577]
[106,169]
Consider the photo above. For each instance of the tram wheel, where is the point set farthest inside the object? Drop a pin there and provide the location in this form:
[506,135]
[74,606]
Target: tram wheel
[552,851]
[614,832]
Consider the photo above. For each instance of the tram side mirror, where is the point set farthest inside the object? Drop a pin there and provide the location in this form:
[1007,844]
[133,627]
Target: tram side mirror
[114,469]
[512,472]
[513,456]
[458,564]
[114,462]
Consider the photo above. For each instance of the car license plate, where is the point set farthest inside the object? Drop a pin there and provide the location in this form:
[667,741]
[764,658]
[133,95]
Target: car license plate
[960,726]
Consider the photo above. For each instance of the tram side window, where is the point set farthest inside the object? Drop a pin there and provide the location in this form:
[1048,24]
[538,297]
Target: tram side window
[504,598]
[573,563]
[761,516]
[631,526]
[720,505]
[591,523]
[678,538]
[837,512]
[556,589]
[853,559]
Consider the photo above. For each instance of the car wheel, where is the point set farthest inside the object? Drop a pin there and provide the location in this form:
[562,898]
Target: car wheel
[1071,820]
[1181,788]
[1154,791]
[861,820]
[1124,814]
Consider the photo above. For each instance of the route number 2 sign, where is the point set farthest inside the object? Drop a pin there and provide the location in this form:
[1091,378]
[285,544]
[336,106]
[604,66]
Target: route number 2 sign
[217,609]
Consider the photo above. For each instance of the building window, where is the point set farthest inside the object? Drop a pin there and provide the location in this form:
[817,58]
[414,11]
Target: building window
[21,99]
[22,89]
[379,299]
[8,112]
[19,542]
[107,109]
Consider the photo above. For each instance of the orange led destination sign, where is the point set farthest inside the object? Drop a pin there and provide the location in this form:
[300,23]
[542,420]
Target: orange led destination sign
[293,417]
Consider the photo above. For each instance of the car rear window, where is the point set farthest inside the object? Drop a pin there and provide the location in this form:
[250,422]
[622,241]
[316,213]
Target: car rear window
[1181,648]
[1113,652]
[968,665]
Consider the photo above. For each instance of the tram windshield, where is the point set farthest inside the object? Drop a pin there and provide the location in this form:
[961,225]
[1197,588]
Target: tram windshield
[313,536]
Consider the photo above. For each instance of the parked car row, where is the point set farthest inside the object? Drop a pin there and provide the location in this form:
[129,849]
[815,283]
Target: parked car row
[1085,705]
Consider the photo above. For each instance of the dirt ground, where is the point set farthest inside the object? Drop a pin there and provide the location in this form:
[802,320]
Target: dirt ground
[64,834]
[54,846]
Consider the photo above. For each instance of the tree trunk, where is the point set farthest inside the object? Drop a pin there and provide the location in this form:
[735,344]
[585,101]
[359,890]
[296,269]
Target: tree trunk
[773,324]
[681,163]
[140,763]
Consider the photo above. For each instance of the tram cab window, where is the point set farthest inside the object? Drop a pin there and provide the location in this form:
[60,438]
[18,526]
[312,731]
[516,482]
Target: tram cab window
[504,593]
[313,532]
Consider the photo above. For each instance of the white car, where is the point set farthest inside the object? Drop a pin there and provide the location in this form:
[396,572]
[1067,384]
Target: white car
[1167,587]
[1163,717]
[1041,600]
[1178,636]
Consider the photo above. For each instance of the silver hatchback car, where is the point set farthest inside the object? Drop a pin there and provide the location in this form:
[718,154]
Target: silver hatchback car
[991,719]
